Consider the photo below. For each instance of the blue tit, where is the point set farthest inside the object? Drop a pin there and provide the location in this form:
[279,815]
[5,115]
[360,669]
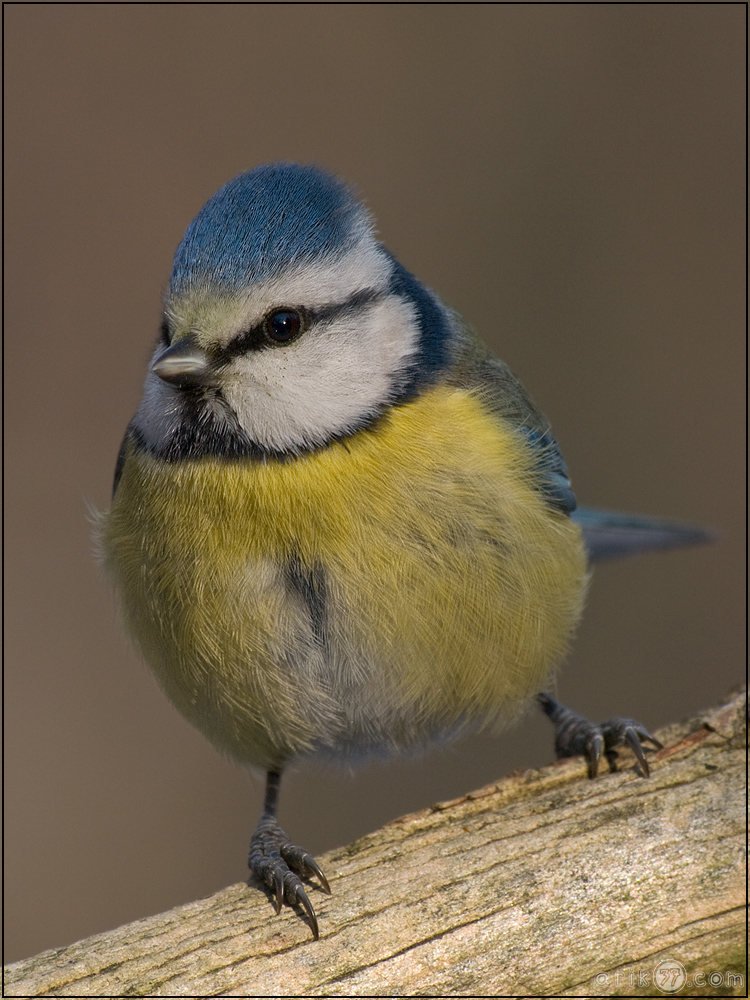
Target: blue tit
[340,528]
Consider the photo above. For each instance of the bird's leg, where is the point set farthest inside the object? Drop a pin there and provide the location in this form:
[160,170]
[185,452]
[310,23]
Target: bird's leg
[575,735]
[278,862]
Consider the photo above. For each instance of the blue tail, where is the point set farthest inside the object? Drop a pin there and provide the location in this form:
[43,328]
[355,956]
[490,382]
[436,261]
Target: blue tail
[609,535]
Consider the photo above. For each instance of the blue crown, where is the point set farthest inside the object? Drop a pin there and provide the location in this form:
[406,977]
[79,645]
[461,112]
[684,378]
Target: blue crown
[264,221]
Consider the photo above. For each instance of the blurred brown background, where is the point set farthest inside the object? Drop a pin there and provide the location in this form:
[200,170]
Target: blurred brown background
[569,176]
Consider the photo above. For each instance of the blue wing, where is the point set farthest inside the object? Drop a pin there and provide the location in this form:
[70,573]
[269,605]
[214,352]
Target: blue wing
[499,389]
[607,534]
[554,482]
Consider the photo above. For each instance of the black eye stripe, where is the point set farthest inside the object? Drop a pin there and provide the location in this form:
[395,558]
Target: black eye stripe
[351,305]
[257,337]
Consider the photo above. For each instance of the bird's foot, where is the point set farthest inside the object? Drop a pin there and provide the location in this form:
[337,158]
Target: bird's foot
[280,864]
[575,735]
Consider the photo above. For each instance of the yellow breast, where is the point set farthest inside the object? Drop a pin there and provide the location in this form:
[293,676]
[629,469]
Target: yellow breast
[366,597]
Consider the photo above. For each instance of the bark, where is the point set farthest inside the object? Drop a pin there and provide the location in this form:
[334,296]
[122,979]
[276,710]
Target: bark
[544,884]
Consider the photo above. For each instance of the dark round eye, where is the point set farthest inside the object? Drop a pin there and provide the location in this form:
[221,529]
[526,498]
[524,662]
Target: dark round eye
[283,325]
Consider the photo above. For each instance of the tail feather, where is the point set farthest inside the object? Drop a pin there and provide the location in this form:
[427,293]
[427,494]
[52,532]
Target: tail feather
[608,534]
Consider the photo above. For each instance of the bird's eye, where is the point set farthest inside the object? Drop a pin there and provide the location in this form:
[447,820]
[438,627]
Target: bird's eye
[284,325]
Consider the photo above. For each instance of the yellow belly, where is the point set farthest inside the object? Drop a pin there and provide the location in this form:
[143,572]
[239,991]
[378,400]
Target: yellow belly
[448,587]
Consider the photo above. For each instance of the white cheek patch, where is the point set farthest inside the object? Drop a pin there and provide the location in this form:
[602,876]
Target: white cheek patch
[327,382]
[216,316]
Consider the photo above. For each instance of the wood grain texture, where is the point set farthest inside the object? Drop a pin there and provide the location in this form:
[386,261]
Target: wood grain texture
[544,884]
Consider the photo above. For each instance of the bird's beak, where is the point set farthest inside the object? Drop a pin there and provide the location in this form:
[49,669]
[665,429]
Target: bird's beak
[185,365]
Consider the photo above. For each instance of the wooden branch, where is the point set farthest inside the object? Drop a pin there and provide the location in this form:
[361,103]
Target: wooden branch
[542,884]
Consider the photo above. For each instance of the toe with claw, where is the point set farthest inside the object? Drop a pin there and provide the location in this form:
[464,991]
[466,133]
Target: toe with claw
[576,735]
[280,864]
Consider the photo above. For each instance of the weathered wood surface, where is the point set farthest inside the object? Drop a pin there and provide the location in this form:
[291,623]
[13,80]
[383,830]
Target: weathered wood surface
[544,884]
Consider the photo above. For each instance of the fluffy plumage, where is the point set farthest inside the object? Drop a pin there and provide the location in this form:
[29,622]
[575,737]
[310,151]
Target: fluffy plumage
[441,585]
[340,527]
[382,453]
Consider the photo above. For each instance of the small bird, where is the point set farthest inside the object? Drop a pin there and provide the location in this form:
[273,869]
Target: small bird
[340,527]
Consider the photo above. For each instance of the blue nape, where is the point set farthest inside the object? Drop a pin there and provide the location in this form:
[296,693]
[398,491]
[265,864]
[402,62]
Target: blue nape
[262,222]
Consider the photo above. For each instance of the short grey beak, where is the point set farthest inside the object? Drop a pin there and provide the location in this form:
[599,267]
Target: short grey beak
[184,365]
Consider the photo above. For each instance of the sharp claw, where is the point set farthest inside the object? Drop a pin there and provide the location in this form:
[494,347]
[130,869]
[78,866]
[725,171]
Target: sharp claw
[278,888]
[279,863]
[593,755]
[307,907]
[575,735]
[644,734]
[633,741]
[315,868]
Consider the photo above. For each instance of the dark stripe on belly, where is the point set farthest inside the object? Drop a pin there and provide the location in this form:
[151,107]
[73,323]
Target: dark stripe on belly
[309,585]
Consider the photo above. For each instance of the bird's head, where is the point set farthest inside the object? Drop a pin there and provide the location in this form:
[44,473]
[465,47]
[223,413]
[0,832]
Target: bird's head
[286,323]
